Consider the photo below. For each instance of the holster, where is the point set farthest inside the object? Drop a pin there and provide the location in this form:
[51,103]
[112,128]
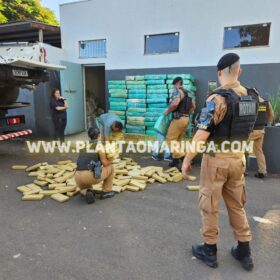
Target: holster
[96,168]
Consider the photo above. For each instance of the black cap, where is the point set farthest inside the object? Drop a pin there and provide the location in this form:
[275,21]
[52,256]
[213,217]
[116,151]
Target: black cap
[93,132]
[227,60]
[176,80]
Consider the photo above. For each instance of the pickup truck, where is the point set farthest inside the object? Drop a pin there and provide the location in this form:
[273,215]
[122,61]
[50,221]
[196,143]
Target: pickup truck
[22,65]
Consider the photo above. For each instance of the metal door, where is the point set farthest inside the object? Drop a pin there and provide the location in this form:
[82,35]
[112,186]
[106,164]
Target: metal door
[73,90]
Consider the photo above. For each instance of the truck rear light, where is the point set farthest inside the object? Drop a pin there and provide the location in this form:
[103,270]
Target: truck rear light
[15,120]
[45,55]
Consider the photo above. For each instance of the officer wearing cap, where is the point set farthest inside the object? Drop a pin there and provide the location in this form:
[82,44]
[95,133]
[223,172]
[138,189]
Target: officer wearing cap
[265,116]
[181,106]
[230,113]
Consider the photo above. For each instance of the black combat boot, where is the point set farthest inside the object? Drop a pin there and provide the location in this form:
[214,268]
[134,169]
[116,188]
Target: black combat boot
[261,175]
[90,196]
[207,253]
[242,253]
[175,163]
[105,195]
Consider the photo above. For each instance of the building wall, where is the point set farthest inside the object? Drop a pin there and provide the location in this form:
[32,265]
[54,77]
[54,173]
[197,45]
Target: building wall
[200,23]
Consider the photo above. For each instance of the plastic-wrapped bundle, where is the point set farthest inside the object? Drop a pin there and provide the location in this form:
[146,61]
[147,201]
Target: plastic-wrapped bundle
[119,113]
[151,132]
[155,82]
[183,76]
[157,96]
[129,78]
[137,91]
[117,82]
[115,99]
[135,83]
[157,110]
[139,78]
[136,105]
[117,86]
[135,127]
[118,95]
[153,100]
[136,120]
[157,105]
[156,77]
[137,110]
[150,124]
[137,96]
[118,103]
[136,86]
[123,118]
[134,114]
[118,91]
[117,108]
[152,114]
[157,91]
[151,119]
[185,82]
[157,86]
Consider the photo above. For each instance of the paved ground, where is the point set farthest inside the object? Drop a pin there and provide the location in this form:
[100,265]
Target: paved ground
[145,235]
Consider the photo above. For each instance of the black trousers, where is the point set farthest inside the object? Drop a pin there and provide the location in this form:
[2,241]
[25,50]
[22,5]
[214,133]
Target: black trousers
[59,127]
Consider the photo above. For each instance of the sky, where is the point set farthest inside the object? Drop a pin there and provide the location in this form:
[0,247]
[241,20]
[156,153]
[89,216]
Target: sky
[54,4]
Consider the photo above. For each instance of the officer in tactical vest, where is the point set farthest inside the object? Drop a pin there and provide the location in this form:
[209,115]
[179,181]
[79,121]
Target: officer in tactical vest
[181,106]
[92,168]
[230,113]
[265,116]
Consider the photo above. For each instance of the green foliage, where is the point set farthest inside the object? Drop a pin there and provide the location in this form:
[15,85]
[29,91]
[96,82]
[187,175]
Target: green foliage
[275,102]
[19,10]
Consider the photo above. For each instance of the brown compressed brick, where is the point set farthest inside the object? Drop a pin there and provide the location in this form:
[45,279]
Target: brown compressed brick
[23,189]
[172,169]
[122,183]
[60,197]
[40,183]
[139,177]
[66,189]
[33,197]
[117,189]
[64,178]
[131,188]
[177,178]
[33,187]
[48,192]
[150,172]
[151,180]
[138,184]
[159,179]
[19,167]
[71,194]
[33,167]
[32,192]
[121,172]
[54,186]
[63,162]
[59,174]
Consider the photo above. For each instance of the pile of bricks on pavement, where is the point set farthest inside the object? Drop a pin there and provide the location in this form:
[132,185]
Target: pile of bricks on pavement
[57,180]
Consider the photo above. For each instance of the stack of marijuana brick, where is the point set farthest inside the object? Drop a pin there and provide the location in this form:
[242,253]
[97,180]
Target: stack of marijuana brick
[57,181]
[136,104]
[117,99]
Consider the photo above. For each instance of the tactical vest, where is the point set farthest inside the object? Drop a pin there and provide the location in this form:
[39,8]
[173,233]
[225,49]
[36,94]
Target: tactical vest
[240,117]
[85,158]
[185,104]
[262,118]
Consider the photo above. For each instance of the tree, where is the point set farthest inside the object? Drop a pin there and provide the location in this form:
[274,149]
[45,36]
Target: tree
[19,10]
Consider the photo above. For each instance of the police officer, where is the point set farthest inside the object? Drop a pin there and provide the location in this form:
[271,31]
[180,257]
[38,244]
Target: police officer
[85,176]
[230,113]
[265,116]
[181,106]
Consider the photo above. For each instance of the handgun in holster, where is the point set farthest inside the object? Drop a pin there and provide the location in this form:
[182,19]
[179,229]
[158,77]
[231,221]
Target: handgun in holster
[96,168]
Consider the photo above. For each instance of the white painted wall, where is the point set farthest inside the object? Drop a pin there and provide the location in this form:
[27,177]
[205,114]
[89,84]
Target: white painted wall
[200,23]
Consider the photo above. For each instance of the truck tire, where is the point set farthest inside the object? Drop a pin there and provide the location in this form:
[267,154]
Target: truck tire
[8,95]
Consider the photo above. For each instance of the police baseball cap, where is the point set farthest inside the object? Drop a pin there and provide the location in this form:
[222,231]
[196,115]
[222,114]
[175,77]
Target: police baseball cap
[176,80]
[93,132]
[227,60]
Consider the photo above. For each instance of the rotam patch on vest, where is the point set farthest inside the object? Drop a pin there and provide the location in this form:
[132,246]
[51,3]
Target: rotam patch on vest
[247,109]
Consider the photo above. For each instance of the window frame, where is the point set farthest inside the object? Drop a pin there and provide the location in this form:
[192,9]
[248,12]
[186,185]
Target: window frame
[162,53]
[247,47]
[92,40]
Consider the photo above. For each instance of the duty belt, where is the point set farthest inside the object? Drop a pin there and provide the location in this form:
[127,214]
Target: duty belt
[177,115]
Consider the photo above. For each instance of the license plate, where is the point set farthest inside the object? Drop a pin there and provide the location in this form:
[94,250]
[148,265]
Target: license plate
[20,73]
[247,108]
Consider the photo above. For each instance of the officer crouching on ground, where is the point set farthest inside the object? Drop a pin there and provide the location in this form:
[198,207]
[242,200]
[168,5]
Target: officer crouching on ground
[265,116]
[230,113]
[92,168]
[181,106]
